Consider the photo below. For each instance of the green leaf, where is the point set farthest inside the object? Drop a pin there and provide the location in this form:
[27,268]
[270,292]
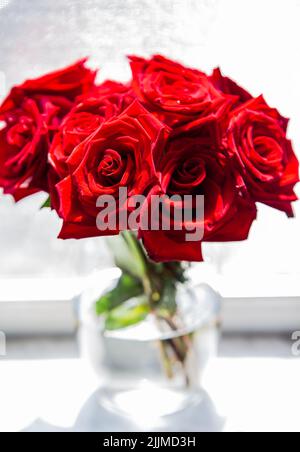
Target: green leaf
[127,287]
[129,314]
[128,254]
[47,204]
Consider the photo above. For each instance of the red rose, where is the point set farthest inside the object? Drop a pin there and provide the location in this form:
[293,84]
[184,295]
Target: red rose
[257,140]
[31,115]
[195,167]
[227,86]
[23,151]
[103,103]
[175,94]
[70,82]
[119,154]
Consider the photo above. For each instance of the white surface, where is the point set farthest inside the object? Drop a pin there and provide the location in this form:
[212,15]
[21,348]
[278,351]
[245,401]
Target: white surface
[44,306]
[247,393]
[261,315]
[50,306]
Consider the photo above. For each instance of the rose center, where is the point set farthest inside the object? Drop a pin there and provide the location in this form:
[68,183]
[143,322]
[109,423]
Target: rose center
[270,153]
[111,166]
[188,177]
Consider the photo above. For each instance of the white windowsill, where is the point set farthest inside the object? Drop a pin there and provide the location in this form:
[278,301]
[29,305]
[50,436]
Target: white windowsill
[49,306]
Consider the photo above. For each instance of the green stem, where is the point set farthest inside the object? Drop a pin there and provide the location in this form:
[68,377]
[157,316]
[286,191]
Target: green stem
[180,346]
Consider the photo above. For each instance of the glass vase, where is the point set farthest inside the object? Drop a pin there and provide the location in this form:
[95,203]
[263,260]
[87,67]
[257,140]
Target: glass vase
[154,368]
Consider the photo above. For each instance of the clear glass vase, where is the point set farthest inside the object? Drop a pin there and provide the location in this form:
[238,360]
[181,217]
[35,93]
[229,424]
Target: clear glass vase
[155,368]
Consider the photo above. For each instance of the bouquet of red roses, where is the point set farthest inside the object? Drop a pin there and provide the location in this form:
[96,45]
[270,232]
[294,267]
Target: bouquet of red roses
[171,134]
[171,131]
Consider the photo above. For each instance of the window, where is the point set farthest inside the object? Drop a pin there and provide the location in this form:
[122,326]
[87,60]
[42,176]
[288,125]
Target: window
[262,55]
